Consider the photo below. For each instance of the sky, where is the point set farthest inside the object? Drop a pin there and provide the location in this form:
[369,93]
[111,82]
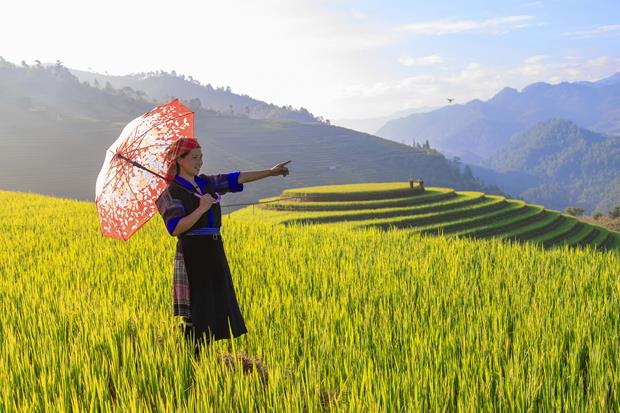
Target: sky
[340,59]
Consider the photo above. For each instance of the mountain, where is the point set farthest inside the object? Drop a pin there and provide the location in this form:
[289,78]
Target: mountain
[512,182]
[54,131]
[475,131]
[610,197]
[162,86]
[573,166]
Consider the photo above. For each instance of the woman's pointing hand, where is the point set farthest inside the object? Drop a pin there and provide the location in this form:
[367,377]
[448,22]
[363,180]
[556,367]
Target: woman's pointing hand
[280,169]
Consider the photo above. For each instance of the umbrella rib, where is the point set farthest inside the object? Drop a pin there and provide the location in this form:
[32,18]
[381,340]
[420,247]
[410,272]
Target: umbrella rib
[125,154]
[129,185]
[113,211]
[144,147]
[160,123]
[111,180]
[134,143]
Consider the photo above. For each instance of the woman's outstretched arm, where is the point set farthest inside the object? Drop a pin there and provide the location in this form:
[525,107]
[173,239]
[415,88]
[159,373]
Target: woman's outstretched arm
[249,176]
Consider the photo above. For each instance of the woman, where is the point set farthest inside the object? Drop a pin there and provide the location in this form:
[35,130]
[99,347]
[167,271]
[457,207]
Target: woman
[203,290]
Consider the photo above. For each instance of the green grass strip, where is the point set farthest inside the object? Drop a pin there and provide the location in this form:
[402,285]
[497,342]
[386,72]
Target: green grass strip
[360,215]
[427,198]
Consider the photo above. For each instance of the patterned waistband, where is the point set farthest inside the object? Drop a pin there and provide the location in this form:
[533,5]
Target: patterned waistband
[203,231]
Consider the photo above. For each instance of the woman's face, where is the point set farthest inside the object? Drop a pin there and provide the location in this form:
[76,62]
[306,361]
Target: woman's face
[192,162]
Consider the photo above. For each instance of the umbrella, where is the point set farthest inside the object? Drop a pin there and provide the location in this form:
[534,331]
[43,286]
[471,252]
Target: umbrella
[132,175]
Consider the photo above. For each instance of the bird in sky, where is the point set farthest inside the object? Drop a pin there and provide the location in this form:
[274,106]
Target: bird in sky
[450,100]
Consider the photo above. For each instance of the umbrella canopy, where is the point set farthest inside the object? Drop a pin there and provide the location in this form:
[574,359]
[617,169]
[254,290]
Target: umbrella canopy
[133,173]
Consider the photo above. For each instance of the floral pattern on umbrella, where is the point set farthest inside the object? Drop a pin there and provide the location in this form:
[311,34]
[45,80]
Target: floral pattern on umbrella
[125,193]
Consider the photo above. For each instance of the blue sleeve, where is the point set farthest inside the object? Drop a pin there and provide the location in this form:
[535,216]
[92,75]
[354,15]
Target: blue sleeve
[172,224]
[224,183]
[171,210]
[233,182]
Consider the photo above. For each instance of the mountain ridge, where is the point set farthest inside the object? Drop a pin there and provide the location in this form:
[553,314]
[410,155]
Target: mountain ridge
[60,128]
[452,128]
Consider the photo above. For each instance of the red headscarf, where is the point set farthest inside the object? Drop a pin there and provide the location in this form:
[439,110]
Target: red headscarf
[179,147]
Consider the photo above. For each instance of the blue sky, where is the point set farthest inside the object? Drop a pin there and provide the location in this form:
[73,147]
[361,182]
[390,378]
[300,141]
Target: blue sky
[340,58]
[548,27]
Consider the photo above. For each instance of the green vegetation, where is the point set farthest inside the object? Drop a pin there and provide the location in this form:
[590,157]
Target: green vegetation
[577,168]
[433,211]
[357,321]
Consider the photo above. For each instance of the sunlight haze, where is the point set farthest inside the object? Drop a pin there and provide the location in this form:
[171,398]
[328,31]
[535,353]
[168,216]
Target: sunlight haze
[338,59]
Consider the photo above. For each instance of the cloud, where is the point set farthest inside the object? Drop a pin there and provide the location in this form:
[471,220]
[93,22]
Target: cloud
[609,29]
[473,81]
[418,61]
[598,62]
[496,25]
[535,59]
[531,66]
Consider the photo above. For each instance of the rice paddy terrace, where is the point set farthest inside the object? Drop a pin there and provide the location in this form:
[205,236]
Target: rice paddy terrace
[432,210]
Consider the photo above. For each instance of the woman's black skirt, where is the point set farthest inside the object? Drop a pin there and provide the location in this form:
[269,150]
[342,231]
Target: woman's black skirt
[214,308]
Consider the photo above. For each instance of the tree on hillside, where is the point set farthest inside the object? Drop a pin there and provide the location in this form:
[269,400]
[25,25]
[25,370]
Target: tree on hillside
[457,162]
[615,213]
[467,173]
[574,211]
[108,87]
[128,91]
[194,104]
[140,94]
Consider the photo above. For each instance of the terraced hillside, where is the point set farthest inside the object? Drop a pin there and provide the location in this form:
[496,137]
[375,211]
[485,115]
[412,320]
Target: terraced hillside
[433,210]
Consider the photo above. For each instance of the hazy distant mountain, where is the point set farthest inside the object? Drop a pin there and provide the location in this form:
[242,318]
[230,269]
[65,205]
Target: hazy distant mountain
[476,130]
[568,166]
[54,132]
[163,86]
[610,196]
[372,124]
[511,182]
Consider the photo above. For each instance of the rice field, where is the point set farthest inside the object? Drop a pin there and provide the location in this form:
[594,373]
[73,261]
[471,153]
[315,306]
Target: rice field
[433,210]
[362,320]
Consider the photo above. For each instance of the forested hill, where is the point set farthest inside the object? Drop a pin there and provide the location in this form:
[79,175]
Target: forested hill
[163,86]
[54,131]
[574,166]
